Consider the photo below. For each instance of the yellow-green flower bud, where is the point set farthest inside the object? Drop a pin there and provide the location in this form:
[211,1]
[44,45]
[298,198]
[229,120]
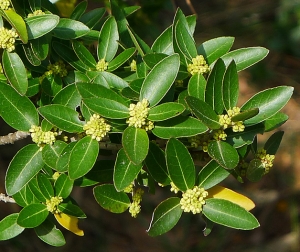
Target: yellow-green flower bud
[174,188]
[53,203]
[40,137]
[198,65]
[133,66]
[36,13]
[102,65]
[4,4]
[96,127]
[193,199]
[7,39]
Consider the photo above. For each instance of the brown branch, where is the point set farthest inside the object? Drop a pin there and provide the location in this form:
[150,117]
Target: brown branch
[13,137]
[6,199]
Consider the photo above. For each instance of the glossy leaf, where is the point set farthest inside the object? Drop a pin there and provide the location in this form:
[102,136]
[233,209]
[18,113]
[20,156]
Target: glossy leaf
[125,171]
[83,54]
[15,71]
[35,189]
[68,96]
[156,164]
[49,234]
[78,11]
[62,117]
[113,80]
[70,29]
[120,59]
[63,186]
[165,216]
[179,127]
[52,152]
[245,57]
[38,26]
[275,121]
[32,215]
[16,110]
[63,160]
[45,186]
[255,170]
[71,209]
[93,17]
[197,86]
[165,111]
[212,174]
[203,112]
[135,142]
[23,167]
[9,227]
[224,154]
[83,157]
[230,87]
[25,196]
[164,42]
[272,144]
[160,79]
[214,87]
[269,102]
[110,199]
[40,47]
[215,48]
[226,213]
[140,44]
[69,222]
[220,192]
[180,165]
[108,40]
[244,115]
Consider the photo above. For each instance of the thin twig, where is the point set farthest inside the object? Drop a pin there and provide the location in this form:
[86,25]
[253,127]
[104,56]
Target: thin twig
[13,137]
[6,198]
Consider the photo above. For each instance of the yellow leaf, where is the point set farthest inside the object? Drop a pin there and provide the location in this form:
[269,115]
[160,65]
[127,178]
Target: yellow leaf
[69,222]
[220,192]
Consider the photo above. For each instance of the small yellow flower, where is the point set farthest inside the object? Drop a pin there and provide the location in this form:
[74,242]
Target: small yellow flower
[96,127]
[133,66]
[198,65]
[36,13]
[128,189]
[4,4]
[53,203]
[201,141]
[174,188]
[102,65]
[40,137]
[135,206]
[226,122]
[266,159]
[7,39]
[138,115]
[220,135]
[58,67]
[193,199]
[55,175]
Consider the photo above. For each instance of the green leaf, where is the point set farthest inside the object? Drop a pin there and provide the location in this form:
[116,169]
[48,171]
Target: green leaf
[255,170]
[9,227]
[15,71]
[63,186]
[180,165]
[165,216]
[159,80]
[16,110]
[40,47]
[275,121]
[83,157]
[245,57]
[32,215]
[179,127]
[120,59]
[215,48]
[110,199]
[136,144]
[214,87]
[78,11]
[30,56]
[17,22]
[204,112]
[151,59]
[45,186]
[244,115]
[83,54]
[23,167]
[70,29]
[112,80]
[71,209]
[229,214]
[108,40]
[38,26]
[197,86]
[25,196]
[62,117]
[93,17]
[107,107]
[125,171]
[35,189]
[156,164]
[164,42]
[269,102]
[63,160]
[51,84]
[52,152]
[68,96]
[273,143]
[165,111]
[140,44]
[49,234]
[224,154]
[211,174]
[230,87]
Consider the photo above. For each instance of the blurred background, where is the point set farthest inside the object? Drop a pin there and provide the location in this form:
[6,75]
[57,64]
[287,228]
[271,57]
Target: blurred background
[274,24]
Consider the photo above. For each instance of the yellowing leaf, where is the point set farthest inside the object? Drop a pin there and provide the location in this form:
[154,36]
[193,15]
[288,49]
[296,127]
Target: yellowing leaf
[69,222]
[220,192]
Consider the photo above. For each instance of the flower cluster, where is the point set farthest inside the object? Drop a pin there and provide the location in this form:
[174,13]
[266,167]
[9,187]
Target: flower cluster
[135,206]
[101,65]
[7,39]
[36,13]
[220,135]
[174,188]
[193,199]
[40,137]
[4,4]
[53,203]
[201,140]
[133,66]
[138,115]
[198,65]
[266,159]
[128,189]
[96,127]
[58,67]
[225,120]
